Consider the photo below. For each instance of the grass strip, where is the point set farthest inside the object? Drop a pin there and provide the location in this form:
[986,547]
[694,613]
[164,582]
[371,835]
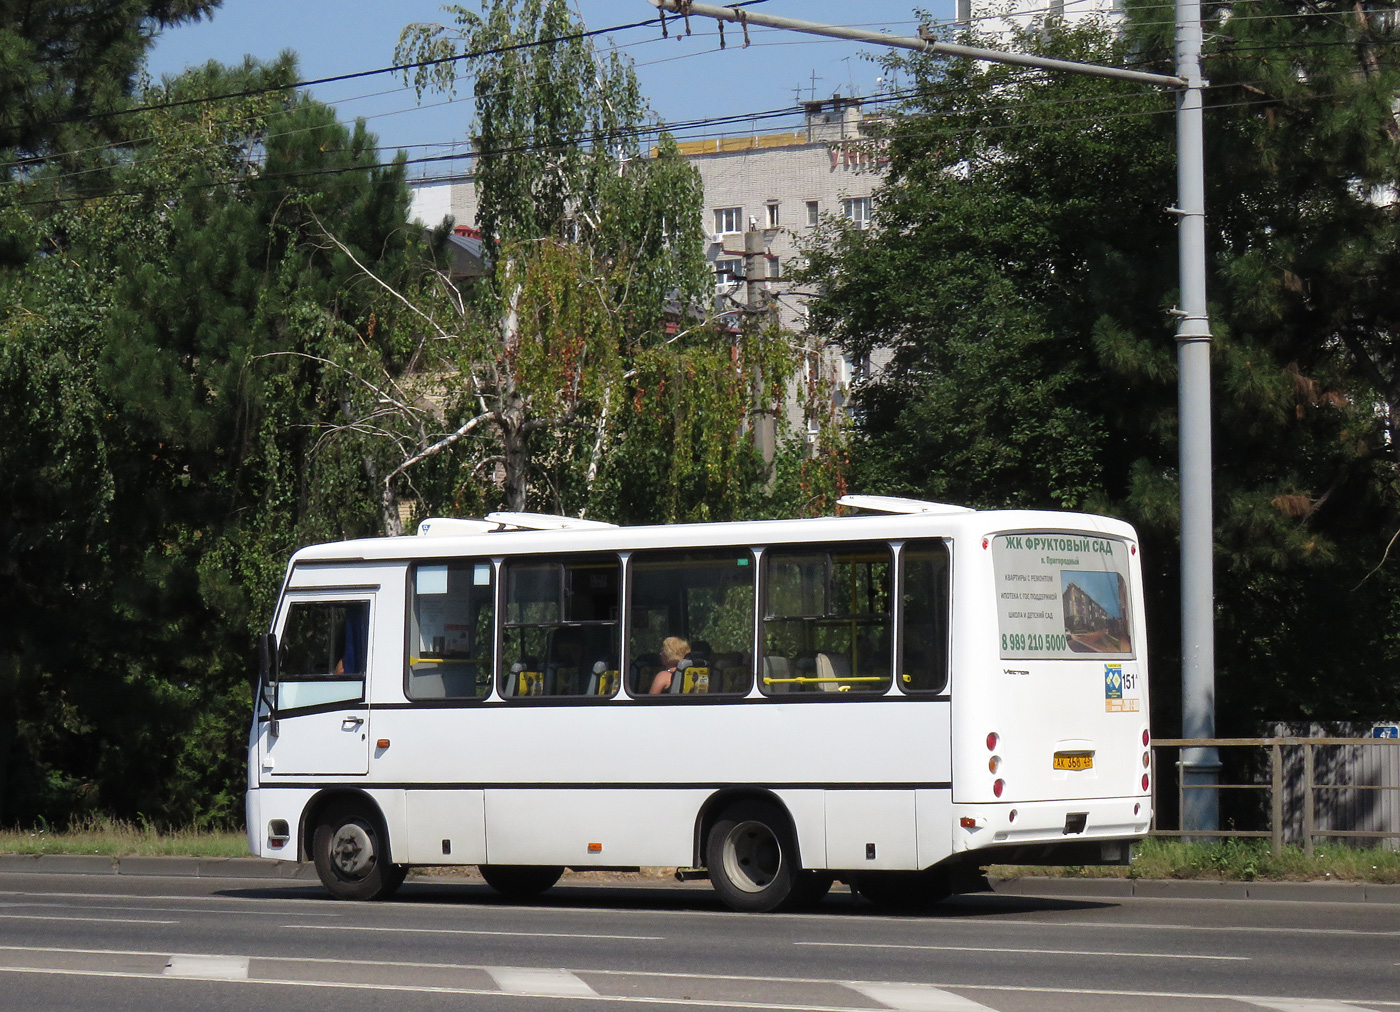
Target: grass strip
[1232,861]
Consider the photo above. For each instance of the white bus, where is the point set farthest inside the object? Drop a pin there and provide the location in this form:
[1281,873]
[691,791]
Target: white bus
[894,699]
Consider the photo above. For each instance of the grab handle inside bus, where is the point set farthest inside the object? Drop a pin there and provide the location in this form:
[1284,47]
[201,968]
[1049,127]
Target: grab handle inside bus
[267,676]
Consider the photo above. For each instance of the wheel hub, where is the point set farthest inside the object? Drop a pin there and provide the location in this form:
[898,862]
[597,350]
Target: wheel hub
[752,856]
[352,850]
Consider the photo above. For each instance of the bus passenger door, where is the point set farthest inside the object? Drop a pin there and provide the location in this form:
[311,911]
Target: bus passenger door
[322,718]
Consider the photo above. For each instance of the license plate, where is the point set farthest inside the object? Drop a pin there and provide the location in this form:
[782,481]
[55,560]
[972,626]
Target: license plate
[1074,760]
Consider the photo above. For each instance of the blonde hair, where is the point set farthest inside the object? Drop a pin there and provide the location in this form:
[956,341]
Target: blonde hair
[673,650]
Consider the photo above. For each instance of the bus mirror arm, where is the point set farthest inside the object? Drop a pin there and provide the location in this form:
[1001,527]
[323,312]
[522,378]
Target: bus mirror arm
[267,676]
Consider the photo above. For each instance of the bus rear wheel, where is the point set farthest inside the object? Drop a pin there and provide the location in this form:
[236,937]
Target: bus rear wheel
[520,881]
[351,854]
[752,858]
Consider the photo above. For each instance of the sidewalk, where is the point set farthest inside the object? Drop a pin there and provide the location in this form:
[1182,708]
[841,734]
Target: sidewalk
[1069,888]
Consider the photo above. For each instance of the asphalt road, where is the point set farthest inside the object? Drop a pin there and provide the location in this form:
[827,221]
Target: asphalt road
[116,942]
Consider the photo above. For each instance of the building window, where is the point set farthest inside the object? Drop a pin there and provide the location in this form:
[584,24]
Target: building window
[773,215]
[730,268]
[729,219]
[813,214]
[858,211]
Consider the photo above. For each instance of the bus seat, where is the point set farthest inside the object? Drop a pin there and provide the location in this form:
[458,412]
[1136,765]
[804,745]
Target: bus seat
[681,676]
[603,680]
[524,679]
[776,666]
[697,672]
[832,666]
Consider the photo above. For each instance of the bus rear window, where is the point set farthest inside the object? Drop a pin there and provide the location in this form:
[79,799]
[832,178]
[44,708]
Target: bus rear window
[1062,596]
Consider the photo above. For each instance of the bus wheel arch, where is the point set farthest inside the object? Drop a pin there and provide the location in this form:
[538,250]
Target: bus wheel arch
[749,843]
[344,833]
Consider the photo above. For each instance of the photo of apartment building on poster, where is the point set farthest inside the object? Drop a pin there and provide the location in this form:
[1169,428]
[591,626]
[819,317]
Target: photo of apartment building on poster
[1095,611]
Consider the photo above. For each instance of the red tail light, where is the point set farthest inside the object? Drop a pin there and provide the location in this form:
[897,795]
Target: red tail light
[992,740]
[1145,781]
[1000,785]
[1145,737]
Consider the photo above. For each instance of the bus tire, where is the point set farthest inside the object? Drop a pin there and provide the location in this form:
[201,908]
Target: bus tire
[752,858]
[350,850]
[520,881]
[904,891]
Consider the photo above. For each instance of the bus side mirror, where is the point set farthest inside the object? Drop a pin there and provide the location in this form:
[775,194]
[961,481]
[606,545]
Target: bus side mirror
[267,675]
[267,659]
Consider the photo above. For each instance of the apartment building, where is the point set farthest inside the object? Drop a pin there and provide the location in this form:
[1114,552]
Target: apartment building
[781,184]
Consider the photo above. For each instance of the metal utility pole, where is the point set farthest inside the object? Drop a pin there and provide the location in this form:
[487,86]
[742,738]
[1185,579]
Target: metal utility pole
[1199,766]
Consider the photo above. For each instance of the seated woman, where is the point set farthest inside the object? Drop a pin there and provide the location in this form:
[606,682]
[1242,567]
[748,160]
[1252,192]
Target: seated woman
[673,651]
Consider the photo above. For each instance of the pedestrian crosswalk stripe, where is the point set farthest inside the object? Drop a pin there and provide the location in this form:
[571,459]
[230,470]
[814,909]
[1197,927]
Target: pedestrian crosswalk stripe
[918,998]
[528,980]
[208,967]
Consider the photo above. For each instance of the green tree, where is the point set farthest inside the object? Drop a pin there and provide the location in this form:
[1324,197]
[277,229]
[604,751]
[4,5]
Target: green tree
[177,364]
[1020,277]
[600,299]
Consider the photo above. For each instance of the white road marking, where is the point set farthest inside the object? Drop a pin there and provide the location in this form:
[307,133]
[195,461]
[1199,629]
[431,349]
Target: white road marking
[208,967]
[639,1000]
[470,931]
[87,920]
[1127,925]
[918,998]
[1044,952]
[151,910]
[528,980]
[1304,1005]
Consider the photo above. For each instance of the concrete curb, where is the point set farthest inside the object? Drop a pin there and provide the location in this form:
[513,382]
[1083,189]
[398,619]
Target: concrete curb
[180,867]
[1190,889]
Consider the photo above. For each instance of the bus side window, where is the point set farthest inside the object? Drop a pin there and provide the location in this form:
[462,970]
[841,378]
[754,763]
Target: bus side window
[451,621]
[561,627]
[924,666]
[323,653]
[705,598]
[827,619]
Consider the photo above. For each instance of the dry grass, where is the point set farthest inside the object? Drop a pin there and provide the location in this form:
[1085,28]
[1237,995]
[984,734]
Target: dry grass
[114,838]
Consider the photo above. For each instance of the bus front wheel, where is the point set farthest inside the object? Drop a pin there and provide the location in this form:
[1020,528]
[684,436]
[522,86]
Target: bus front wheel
[351,856]
[752,858]
[520,881]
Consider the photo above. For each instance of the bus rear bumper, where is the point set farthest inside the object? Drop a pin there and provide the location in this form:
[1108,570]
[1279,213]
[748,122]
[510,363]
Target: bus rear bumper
[1076,828]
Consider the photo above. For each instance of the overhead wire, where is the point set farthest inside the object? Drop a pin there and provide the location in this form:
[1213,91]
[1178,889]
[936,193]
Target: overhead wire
[643,130]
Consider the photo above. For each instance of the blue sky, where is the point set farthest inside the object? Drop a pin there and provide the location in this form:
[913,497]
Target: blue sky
[684,78]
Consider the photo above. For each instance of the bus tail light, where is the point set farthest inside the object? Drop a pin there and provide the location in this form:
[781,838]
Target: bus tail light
[1146,760]
[998,786]
[994,764]
[1145,737]
[992,739]
[1145,781]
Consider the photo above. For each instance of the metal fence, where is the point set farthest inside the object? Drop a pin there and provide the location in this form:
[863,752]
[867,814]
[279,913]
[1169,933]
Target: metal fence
[1300,789]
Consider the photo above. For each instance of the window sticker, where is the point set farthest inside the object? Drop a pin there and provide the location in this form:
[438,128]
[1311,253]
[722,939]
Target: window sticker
[1062,595]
